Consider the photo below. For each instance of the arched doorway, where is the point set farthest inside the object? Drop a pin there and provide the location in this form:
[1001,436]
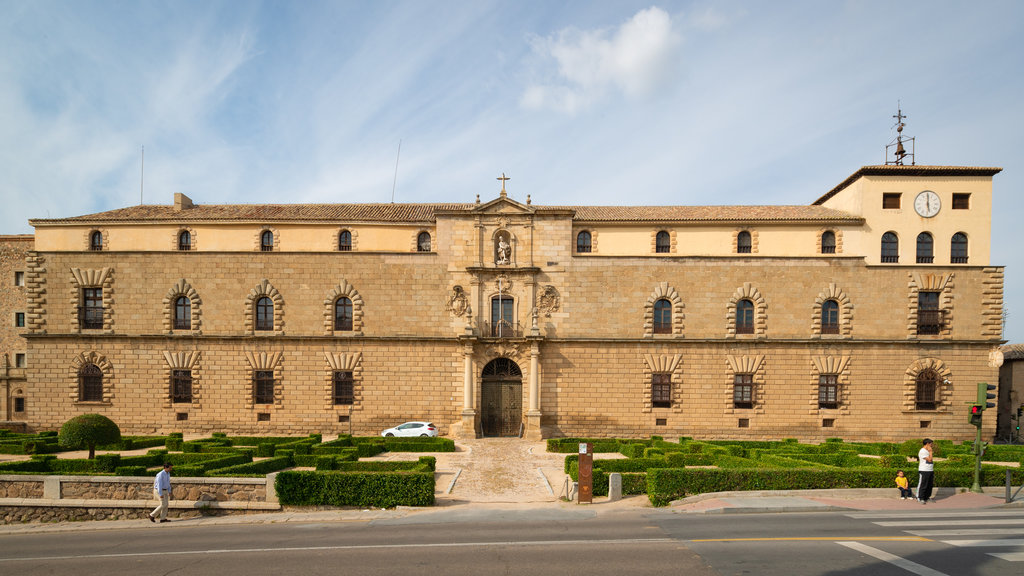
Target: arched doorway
[501,390]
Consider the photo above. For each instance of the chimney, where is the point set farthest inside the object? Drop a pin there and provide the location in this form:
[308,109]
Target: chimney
[181,202]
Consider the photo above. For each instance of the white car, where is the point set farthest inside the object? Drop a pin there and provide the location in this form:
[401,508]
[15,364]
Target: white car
[412,429]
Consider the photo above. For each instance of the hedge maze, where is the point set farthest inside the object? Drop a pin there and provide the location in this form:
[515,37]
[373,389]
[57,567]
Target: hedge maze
[667,471]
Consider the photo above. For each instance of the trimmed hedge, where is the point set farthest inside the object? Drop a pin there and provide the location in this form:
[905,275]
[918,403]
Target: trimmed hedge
[259,468]
[377,489]
[397,444]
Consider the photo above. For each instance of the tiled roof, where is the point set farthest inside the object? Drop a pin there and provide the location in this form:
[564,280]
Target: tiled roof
[708,213]
[910,171]
[1012,352]
[426,213]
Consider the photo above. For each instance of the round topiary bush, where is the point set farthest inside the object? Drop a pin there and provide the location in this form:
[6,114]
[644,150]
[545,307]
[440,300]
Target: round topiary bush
[88,431]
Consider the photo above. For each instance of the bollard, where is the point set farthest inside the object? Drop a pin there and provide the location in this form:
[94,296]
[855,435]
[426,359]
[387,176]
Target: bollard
[614,486]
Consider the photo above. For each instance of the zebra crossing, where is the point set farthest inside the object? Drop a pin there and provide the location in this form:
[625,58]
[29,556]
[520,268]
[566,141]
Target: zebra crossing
[996,529]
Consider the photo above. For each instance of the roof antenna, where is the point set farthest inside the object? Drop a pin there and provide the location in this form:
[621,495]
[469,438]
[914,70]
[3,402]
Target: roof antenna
[142,174]
[900,152]
[396,171]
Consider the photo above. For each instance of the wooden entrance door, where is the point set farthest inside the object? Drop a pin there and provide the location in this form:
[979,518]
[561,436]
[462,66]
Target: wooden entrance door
[501,398]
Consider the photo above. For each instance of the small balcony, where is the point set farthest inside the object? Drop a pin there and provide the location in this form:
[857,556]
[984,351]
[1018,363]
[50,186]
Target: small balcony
[930,321]
[501,329]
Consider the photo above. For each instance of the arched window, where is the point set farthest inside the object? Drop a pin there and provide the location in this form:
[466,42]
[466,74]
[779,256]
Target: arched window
[343,314]
[828,242]
[662,243]
[927,385]
[90,384]
[264,314]
[663,317]
[182,313]
[958,248]
[267,241]
[830,317]
[345,241]
[423,242]
[184,240]
[745,317]
[924,248]
[890,247]
[583,242]
[743,244]
[96,240]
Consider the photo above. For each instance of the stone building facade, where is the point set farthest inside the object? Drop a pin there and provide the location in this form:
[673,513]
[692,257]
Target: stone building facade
[868,314]
[14,312]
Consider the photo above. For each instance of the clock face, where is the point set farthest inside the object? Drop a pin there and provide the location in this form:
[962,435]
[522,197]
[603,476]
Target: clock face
[927,204]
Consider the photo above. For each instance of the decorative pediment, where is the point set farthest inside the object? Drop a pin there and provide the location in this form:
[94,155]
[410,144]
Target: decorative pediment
[503,205]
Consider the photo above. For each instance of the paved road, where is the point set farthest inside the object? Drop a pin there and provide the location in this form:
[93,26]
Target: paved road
[583,540]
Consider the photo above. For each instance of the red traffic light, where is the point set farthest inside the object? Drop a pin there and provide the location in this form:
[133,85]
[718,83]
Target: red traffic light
[976,410]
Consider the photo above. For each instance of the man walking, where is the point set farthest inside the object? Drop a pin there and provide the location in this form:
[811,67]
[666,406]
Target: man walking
[162,492]
[926,471]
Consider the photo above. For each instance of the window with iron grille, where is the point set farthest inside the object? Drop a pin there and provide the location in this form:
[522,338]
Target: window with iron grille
[181,386]
[743,391]
[662,317]
[958,248]
[423,242]
[828,391]
[830,317]
[925,253]
[343,387]
[96,240]
[90,316]
[267,241]
[661,390]
[929,317]
[828,242]
[263,386]
[927,383]
[19,404]
[343,314]
[264,314]
[662,243]
[583,242]
[743,243]
[890,248]
[182,313]
[745,317]
[90,384]
[184,240]
[345,241]
[891,200]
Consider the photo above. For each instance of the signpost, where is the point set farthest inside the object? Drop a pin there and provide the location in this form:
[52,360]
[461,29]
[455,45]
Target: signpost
[586,473]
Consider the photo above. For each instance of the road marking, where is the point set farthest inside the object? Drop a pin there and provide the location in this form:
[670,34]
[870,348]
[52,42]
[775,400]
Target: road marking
[892,559]
[968,543]
[969,532]
[875,515]
[631,542]
[992,522]
[819,539]
[1011,556]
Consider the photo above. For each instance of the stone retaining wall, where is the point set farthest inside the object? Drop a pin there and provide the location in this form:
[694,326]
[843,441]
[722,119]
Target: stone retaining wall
[20,489]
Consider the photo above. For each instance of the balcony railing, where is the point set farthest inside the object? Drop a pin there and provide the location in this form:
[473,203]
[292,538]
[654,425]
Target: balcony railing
[930,321]
[90,318]
[501,329]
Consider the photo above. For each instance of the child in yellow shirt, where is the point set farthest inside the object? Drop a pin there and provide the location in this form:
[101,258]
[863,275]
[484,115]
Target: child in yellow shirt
[903,484]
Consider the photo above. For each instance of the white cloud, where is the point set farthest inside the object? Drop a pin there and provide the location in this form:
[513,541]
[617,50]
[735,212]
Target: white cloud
[635,59]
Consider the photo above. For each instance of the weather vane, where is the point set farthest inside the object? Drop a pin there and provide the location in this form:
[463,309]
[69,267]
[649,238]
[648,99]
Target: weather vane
[899,150]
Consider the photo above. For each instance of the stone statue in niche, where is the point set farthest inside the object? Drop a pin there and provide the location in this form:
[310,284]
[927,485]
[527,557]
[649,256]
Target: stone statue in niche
[457,302]
[502,250]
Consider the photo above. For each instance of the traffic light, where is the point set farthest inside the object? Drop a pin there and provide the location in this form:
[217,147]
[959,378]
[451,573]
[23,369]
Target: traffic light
[984,396]
[976,410]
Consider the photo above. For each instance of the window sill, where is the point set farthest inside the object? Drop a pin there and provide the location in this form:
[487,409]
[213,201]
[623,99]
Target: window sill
[93,403]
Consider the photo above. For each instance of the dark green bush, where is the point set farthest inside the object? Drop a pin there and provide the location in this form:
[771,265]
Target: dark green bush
[107,462]
[130,471]
[265,449]
[894,461]
[396,444]
[259,468]
[378,489]
[88,431]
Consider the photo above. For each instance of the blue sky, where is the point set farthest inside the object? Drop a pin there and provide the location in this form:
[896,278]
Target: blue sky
[596,102]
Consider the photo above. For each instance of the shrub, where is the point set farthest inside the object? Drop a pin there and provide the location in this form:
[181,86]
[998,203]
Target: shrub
[130,471]
[378,489]
[107,462]
[88,431]
[395,444]
[894,461]
[260,468]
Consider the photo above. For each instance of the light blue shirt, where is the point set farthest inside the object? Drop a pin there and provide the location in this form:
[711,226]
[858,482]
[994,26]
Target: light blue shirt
[162,483]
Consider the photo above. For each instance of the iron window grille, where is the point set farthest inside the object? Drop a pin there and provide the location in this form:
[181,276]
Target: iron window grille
[343,387]
[263,386]
[661,390]
[743,391]
[830,317]
[583,242]
[828,391]
[184,241]
[90,384]
[264,314]
[662,243]
[890,248]
[925,254]
[924,395]
[423,242]
[96,241]
[267,241]
[345,241]
[828,243]
[929,317]
[90,314]
[743,243]
[958,248]
[181,386]
[343,314]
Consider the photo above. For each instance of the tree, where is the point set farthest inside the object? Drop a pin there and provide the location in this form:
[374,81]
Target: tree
[88,431]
